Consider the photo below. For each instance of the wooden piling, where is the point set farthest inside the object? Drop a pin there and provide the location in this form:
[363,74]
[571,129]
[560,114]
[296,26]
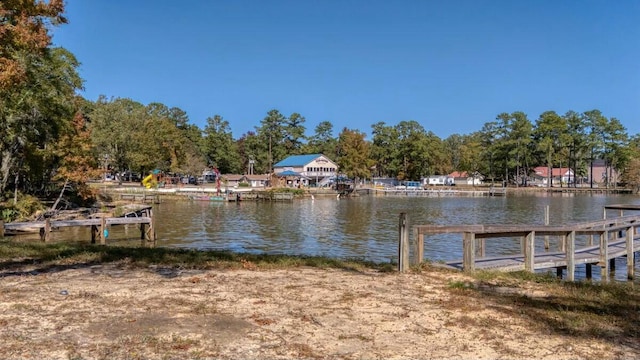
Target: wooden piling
[571,255]
[630,253]
[604,255]
[418,247]
[403,243]
[529,253]
[588,271]
[103,227]
[45,232]
[546,223]
[469,251]
[94,234]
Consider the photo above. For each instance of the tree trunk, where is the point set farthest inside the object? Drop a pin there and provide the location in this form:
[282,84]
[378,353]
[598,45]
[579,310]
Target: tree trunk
[55,204]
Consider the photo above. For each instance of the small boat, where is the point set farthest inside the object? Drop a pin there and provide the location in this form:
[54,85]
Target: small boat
[207,198]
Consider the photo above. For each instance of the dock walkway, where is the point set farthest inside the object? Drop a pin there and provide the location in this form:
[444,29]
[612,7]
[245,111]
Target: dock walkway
[614,237]
[143,217]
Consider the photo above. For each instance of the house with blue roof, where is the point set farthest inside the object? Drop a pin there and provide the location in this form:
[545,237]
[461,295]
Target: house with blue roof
[307,170]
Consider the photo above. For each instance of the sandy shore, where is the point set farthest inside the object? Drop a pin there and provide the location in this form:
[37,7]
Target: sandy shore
[113,311]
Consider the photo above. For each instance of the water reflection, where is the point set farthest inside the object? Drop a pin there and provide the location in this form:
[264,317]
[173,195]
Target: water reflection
[364,227]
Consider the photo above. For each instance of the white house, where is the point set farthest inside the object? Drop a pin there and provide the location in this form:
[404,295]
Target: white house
[309,170]
[443,180]
[464,178]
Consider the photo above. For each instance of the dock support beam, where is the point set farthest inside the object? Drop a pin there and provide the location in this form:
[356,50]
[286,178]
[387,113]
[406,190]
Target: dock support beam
[403,243]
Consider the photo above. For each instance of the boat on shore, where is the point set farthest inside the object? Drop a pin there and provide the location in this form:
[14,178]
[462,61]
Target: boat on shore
[207,198]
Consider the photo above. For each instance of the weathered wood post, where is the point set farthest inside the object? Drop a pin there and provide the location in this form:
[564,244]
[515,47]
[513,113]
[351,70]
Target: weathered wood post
[152,229]
[546,223]
[418,246]
[1,229]
[481,250]
[45,232]
[571,256]
[630,254]
[103,228]
[94,233]
[604,254]
[403,243]
[529,253]
[562,245]
[469,251]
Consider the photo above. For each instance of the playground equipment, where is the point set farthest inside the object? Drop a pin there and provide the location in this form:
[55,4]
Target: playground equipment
[150,181]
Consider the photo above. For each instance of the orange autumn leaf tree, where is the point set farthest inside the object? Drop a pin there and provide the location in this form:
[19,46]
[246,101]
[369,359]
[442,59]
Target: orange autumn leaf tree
[77,164]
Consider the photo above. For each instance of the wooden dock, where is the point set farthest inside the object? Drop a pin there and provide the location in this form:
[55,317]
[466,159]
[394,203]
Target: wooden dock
[99,227]
[614,237]
[439,192]
[143,198]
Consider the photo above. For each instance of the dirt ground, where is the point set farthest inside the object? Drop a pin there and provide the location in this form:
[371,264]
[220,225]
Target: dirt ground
[113,311]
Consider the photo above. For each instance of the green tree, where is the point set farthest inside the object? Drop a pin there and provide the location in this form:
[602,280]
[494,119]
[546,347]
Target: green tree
[220,148]
[253,153]
[578,149]
[121,138]
[596,124]
[273,132]
[631,172]
[520,140]
[32,114]
[615,150]
[322,141]
[294,134]
[471,153]
[551,135]
[385,150]
[353,155]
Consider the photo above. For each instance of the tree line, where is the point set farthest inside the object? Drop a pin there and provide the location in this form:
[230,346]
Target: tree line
[53,138]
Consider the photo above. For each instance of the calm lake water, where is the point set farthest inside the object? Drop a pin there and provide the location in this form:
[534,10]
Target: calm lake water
[365,227]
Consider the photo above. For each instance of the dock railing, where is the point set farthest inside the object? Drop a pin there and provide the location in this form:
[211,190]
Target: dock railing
[617,237]
[99,227]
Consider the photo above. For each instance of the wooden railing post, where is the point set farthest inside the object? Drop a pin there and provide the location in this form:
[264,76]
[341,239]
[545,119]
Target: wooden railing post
[103,230]
[469,251]
[418,246]
[45,232]
[630,254]
[529,253]
[571,256]
[403,243]
[604,255]
[546,223]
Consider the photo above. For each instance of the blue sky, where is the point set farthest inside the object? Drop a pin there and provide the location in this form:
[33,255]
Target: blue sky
[449,65]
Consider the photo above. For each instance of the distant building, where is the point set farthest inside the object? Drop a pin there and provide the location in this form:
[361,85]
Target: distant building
[540,176]
[600,173]
[234,180]
[435,180]
[307,170]
[465,178]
